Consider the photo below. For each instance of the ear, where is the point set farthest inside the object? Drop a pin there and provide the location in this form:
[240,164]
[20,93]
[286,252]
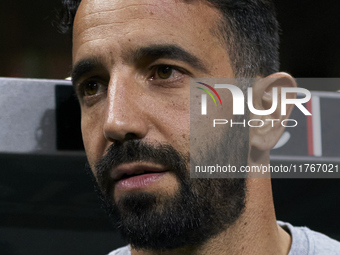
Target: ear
[265,137]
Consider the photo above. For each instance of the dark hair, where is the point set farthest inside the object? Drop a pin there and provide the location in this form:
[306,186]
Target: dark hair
[249,28]
[65,17]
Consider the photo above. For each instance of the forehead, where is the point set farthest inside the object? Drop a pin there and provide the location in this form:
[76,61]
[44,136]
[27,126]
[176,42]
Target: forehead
[131,23]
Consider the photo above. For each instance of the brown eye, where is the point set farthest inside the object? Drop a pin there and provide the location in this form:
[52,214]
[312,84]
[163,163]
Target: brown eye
[91,88]
[164,72]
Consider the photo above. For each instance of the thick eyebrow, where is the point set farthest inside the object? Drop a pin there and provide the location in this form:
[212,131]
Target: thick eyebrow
[169,51]
[151,52]
[81,68]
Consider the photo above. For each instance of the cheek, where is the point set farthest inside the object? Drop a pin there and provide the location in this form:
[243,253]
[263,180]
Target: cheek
[176,119]
[93,137]
[204,136]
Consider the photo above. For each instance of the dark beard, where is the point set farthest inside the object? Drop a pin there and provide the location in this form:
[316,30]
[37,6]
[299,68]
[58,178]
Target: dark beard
[200,209]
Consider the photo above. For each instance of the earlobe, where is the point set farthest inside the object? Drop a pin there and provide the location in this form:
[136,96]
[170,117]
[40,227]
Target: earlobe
[266,99]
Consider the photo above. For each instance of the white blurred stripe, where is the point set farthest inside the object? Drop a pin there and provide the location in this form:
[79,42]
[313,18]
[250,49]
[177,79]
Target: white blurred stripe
[317,137]
[204,104]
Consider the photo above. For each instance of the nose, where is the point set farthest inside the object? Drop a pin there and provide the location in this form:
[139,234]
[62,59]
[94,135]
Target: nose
[125,115]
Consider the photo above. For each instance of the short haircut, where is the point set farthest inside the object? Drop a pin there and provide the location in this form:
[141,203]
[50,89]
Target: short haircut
[248,28]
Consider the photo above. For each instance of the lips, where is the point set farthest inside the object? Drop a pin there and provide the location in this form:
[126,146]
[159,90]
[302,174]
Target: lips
[137,175]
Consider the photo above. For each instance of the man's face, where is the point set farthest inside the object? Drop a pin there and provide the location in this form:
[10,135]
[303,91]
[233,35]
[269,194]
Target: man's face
[133,63]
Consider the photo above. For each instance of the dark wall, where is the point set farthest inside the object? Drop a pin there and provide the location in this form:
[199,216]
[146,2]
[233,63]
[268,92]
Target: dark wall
[310,38]
[31,47]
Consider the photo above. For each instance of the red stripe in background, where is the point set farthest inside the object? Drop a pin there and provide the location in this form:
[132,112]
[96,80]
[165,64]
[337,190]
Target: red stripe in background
[310,129]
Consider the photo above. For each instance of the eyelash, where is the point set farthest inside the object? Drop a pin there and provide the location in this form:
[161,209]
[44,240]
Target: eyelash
[82,87]
[171,79]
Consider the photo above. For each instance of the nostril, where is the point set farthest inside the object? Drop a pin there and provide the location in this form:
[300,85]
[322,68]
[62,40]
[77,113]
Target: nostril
[130,136]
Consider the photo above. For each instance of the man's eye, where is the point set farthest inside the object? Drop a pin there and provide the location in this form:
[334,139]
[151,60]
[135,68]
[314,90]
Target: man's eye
[164,72]
[167,75]
[91,88]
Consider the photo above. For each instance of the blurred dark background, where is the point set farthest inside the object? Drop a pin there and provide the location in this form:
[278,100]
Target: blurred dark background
[31,47]
[61,214]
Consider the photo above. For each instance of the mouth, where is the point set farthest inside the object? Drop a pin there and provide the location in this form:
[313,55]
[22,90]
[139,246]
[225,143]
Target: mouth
[137,175]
